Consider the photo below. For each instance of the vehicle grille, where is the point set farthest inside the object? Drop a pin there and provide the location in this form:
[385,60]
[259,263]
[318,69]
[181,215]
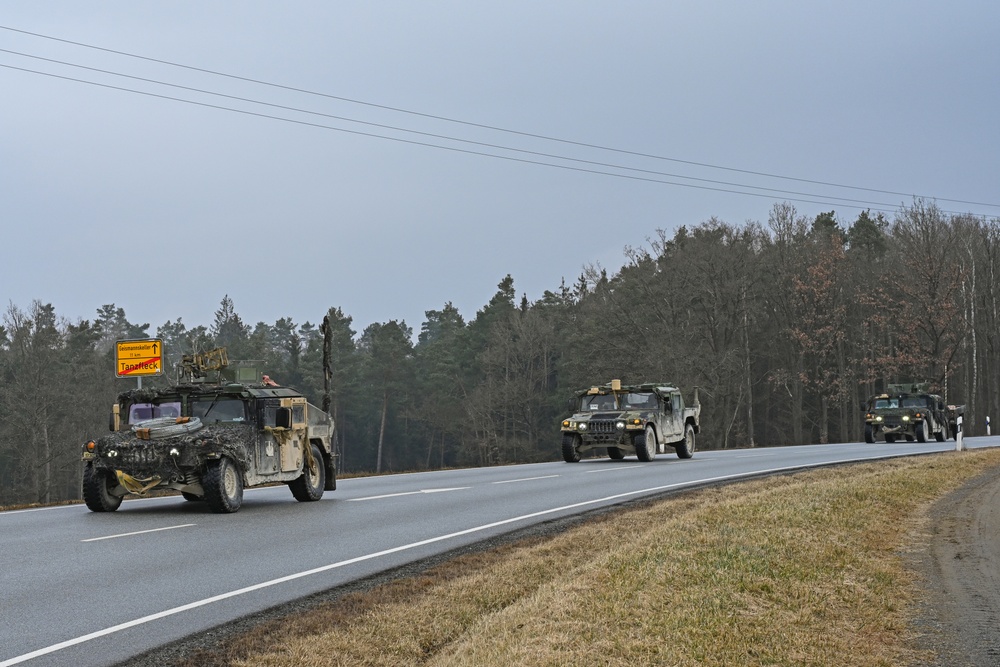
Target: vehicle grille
[603,426]
[603,430]
[141,457]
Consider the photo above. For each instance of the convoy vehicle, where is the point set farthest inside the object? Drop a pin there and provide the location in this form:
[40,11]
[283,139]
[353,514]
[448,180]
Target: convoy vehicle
[217,431]
[640,419]
[912,412]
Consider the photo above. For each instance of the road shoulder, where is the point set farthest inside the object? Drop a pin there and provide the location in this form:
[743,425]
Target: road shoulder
[956,560]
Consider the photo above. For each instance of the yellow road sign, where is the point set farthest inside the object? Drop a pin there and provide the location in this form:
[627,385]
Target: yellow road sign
[139,357]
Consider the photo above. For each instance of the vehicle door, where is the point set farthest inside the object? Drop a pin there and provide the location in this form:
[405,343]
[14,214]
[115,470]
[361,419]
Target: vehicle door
[673,417]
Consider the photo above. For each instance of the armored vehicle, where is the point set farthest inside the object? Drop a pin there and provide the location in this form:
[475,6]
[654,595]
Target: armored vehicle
[911,412]
[217,431]
[642,419]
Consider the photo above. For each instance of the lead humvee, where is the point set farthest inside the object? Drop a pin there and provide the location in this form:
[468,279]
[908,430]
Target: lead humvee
[210,436]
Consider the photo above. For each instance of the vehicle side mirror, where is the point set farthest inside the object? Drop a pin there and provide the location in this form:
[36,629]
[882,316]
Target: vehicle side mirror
[571,405]
[111,422]
[283,418]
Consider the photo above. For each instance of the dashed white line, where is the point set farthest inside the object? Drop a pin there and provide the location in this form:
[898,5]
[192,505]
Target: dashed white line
[612,469]
[407,493]
[138,532]
[524,479]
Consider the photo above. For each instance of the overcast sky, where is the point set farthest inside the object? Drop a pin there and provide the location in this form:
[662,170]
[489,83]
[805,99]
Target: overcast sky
[355,170]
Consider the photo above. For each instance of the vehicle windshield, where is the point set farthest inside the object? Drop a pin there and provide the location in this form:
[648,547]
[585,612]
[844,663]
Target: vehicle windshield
[598,402]
[211,410]
[138,412]
[914,403]
[640,401]
[884,403]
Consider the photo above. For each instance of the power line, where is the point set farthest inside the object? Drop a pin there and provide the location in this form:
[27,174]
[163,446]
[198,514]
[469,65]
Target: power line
[438,146]
[500,129]
[845,200]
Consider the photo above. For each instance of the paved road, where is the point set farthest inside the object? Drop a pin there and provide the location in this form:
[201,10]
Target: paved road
[79,588]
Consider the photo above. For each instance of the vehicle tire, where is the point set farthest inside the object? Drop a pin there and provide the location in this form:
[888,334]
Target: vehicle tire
[569,451]
[645,444]
[191,498]
[921,431]
[223,486]
[97,486]
[309,486]
[890,438]
[685,448]
[615,453]
[942,435]
[869,434]
[331,473]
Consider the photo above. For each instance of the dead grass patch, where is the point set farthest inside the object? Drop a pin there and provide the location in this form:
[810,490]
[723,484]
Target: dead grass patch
[804,569]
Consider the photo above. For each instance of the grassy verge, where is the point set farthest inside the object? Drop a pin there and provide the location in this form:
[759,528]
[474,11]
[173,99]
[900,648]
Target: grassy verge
[805,569]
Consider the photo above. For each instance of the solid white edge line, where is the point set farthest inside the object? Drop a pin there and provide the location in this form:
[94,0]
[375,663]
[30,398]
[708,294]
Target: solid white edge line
[138,532]
[406,547]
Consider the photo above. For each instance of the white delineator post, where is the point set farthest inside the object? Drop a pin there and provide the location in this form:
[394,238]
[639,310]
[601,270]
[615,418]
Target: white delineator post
[987,424]
[959,444]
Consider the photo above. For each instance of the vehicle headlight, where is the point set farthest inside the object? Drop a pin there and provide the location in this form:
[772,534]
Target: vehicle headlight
[879,418]
[620,426]
[906,418]
[566,424]
[582,426]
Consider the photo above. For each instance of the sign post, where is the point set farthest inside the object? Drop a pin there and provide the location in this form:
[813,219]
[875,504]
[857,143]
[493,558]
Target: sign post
[959,444]
[137,358]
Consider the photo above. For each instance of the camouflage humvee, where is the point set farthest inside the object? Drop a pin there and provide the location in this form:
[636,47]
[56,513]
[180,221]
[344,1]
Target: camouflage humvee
[641,419]
[910,411]
[209,439]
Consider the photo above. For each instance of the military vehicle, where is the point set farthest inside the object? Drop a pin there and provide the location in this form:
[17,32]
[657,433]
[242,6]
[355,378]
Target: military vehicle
[642,419]
[220,429]
[911,412]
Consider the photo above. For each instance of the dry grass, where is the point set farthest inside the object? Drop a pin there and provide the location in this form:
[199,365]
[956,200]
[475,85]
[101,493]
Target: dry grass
[798,570]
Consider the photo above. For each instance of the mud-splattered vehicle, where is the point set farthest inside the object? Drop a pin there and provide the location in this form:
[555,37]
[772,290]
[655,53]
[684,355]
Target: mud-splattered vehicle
[218,431]
[911,412]
[641,419]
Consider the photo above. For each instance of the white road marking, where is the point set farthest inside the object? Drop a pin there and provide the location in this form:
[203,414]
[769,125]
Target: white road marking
[407,493]
[138,532]
[524,479]
[611,469]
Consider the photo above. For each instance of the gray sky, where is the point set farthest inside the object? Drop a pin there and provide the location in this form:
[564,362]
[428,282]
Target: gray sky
[163,207]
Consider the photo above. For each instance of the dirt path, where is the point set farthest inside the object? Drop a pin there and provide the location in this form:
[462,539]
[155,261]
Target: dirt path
[960,568]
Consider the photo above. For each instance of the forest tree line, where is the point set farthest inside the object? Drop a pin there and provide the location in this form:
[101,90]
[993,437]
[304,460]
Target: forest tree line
[786,326]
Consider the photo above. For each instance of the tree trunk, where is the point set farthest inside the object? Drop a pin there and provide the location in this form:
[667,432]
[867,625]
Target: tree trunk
[46,495]
[824,420]
[797,403]
[381,431]
[749,372]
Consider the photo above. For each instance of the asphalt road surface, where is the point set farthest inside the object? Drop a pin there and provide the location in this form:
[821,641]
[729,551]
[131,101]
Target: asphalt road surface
[80,588]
